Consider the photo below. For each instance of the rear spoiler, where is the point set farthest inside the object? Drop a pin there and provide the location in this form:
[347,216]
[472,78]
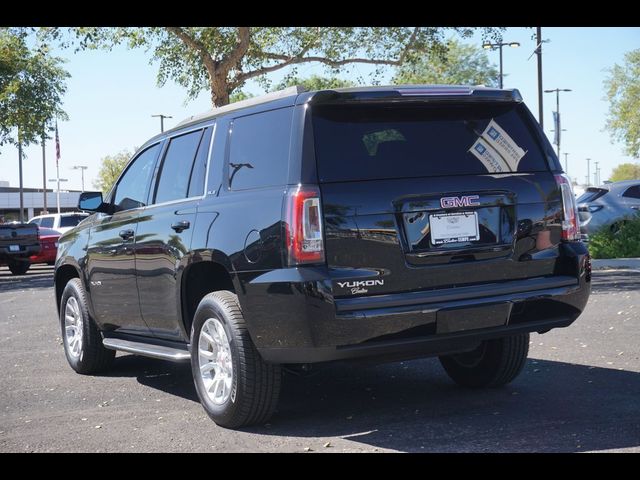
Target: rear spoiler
[411,93]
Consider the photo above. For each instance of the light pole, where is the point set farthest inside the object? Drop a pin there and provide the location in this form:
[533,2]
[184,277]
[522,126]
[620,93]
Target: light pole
[493,46]
[162,117]
[82,168]
[566,163]
[558,127]
[58,190]
[44,170]
[588,172]
[596,180]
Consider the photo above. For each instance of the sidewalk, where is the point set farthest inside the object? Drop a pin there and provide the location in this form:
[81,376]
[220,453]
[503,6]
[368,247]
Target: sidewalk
[609,263]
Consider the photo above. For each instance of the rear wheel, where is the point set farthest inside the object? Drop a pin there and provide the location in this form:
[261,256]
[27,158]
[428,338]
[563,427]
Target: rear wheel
[19,267]
[494,363]
[82,340]
[235,386]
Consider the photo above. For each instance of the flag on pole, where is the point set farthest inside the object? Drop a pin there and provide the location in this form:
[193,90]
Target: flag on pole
[57,145]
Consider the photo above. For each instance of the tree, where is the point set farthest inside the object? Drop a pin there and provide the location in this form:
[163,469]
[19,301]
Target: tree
[31,88]
[315,82]
[222,59]
[110,169]
[623,92]
[459,64]
[625,171]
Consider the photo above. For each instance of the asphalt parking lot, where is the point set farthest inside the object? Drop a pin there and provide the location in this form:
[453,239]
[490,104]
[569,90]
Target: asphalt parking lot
[579,392]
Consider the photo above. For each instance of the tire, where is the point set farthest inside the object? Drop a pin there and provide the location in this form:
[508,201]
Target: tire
[19,267]
[241,389]
[494,363]
[86,354]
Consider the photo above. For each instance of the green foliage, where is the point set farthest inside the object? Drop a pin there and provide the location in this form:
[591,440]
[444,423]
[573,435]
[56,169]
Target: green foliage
[239,96]
[623,92]
[625,171]
[222,59]
[623,242]
[314,82]
[110,169]
[31,88]
[458,64]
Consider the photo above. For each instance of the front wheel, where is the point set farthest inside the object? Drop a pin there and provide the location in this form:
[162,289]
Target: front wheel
[82,340]
[494,363]
[235,386]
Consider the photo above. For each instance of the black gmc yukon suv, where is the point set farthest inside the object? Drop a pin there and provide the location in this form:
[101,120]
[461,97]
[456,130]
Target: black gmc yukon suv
[304,227]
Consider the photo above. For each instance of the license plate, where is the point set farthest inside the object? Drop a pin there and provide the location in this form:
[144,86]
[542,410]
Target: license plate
[14,248]
[454,227]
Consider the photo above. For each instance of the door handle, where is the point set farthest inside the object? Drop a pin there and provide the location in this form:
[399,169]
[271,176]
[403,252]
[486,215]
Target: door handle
[126,234]
[180,226]
[635,207]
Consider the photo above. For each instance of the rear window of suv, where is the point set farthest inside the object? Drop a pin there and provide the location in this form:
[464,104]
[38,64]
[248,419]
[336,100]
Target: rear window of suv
[370,142]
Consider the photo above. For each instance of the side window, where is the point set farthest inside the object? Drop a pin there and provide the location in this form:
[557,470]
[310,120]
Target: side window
[46,222]
[259,152]
[176,168]
[131,191]
[199,170]
[36,221]
[632,192]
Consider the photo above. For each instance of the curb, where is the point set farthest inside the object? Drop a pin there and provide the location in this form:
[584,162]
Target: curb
[609,263]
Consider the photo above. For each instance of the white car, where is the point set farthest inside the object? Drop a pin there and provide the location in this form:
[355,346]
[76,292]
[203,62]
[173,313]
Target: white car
[61,222]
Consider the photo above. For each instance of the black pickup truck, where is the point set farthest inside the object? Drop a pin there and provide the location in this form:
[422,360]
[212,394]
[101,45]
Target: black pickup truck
[306,227]
[18,241]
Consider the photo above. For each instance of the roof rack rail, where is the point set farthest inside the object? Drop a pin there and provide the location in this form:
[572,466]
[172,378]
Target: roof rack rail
[249,102]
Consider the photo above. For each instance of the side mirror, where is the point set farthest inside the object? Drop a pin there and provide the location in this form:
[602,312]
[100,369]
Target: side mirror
[90,201]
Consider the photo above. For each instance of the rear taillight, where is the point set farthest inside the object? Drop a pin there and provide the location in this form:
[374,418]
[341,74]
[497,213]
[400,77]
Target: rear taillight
[304,240]
[570,226]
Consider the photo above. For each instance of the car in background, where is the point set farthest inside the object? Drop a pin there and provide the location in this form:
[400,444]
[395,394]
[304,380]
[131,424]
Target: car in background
[62,222]
[608,206]
[18,241]
[48,247]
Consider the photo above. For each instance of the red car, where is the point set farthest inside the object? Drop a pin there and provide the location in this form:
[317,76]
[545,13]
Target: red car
[48,247]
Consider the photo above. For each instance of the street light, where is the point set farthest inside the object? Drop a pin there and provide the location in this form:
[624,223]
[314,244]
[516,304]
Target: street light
[162,117]
[82,168]
[58,190]
[588,171]
[558,127]
[493,46]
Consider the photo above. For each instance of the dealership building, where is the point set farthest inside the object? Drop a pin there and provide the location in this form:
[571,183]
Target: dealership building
[33,199]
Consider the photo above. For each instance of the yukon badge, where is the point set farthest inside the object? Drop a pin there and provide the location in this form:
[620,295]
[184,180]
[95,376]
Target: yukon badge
[358,287]
[464,201]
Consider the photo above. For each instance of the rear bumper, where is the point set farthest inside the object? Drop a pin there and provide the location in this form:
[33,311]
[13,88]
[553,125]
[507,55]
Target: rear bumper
[318,328]
[23,252]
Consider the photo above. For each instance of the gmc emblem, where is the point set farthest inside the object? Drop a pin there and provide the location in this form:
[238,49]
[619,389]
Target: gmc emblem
[464,201]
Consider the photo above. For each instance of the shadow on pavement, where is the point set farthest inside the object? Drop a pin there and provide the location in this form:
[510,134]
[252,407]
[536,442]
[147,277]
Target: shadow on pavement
[39,276]
[414,407]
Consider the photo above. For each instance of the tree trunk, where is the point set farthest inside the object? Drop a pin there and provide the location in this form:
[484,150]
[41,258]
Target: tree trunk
[219,91]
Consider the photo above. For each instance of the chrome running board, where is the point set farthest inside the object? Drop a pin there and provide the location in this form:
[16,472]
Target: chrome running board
[147,350]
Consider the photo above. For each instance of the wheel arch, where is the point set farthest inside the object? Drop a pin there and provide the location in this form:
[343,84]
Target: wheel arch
[62,275]
[199,279]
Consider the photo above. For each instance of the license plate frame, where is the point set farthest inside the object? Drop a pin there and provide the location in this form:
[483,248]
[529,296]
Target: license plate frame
[454,227]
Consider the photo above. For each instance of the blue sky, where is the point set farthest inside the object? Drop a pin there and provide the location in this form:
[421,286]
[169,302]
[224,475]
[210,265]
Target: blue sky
[112,95]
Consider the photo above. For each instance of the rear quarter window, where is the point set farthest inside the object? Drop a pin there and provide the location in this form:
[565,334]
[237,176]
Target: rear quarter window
[368,142]
[259,149]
